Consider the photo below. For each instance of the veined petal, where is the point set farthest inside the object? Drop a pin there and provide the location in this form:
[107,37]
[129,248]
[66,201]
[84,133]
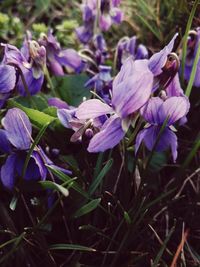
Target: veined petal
[18,128]
[8,172]
[167,140]
[150,111]
[174,88]
[92,108]
[7,78]
[65,116]
[134,91]
[109,136]
[158,60]
[174,108]
[70,58]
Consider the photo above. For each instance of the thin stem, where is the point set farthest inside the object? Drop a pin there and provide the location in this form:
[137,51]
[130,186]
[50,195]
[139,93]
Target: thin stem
[46,73]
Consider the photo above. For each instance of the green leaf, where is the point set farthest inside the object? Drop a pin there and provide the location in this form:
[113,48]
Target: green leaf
[38,118]
[97,180]
[92,205]
[42,5]
[127,217]
[71,88]
[55,186]
[39,102]
[71,247]
[64,177]
[157,162]
[52,111]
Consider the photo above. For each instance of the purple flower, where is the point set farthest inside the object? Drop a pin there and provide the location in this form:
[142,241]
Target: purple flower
[15,140]
[156,112]
[31,70]
[192,46]
[58,58]
[131,90]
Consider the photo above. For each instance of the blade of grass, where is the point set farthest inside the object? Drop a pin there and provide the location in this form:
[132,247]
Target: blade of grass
[189,23]
[99,178]
[71,247]
[193,73]
[85,209]
[163,247]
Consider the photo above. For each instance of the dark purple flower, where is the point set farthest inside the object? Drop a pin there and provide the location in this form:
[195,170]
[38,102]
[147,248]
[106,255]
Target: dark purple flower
[156,112]
[15,140]
[58,58]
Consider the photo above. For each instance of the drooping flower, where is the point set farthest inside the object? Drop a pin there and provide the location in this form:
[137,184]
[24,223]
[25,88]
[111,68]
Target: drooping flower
[58,58]
[156,112]
[15,140]
[192,46]
[131,90]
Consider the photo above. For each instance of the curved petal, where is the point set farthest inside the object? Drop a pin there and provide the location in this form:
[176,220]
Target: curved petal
[70,58]
[40,164]
[167,140]
[65,116]
[151,110]
[5,146]
[7,78]
[134,91]
[105,22]
[174,108]
[109,136]
[174,88]
[58,103]
[158,60]
[8,172]
[92,108]
[18,128]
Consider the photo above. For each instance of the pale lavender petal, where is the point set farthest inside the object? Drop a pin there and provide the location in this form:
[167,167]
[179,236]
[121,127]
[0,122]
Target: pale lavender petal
[110,135]
[92,108]
[150,111]
[8,172]
[7,78]
[174,108]
[58,103]
[134,91]
[70,58]
[105,22]
[158,60]
[65,116]
[18,128]
[174,88]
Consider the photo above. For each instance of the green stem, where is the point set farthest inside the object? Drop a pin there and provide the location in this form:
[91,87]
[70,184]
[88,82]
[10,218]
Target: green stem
[46,73]
[189,23]
[193,73]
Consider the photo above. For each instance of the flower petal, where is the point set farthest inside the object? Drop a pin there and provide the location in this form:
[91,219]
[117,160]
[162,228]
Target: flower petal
[110,135]
[58,103]
[175,108]
[65,116]
[158,60]
[8,172]
[7,78]
[151,110]
[18,128]
[174,88]
[70,58]
[5,146]
[134,91]
[92,108]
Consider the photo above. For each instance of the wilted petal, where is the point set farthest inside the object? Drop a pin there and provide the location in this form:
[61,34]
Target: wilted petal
[8,172]
[7,78]
[92,108]
[58,103]
[174,108]
[13,56]
[18,128]
[150,111]
[5,146]
[110,135]
[134,91]
[158,60]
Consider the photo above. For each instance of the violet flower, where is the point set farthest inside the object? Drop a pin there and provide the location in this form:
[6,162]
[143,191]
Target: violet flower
[15,140]
[156,112]
[131,90]
[192,46]
[128,47]
[31,70]
[58,58]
